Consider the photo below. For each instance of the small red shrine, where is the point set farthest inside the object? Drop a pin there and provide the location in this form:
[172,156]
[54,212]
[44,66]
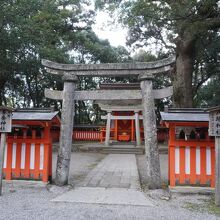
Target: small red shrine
[28,154]
[191,150]
[124,118]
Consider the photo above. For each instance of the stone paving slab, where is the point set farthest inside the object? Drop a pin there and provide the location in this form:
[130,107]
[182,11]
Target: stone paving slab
[114,181]
[108,196]
[115,170]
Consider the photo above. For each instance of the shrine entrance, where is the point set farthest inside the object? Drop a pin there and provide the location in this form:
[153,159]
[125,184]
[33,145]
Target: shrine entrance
[125,127]
[146,94]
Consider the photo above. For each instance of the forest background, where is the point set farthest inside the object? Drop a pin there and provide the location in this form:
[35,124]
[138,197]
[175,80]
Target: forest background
[62,31]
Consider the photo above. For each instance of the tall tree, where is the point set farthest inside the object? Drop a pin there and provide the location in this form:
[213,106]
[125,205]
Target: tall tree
[29,31]
[57,30]
[209,95]
[177,26]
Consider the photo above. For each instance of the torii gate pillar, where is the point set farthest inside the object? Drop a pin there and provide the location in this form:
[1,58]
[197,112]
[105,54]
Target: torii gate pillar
[64,154]
[150,132]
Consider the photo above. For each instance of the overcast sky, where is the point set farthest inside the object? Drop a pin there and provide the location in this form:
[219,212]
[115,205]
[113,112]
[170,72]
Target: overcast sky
[115,35]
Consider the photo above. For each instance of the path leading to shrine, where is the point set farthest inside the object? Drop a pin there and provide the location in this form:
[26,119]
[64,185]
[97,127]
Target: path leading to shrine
[115,180]
[114,171]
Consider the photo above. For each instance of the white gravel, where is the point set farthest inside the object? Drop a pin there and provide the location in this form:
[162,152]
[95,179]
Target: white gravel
[28,202]
[33,201]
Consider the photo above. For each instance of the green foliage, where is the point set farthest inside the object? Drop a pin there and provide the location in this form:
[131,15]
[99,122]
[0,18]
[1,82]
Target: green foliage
[207,59]
[56,30]
[31,30]
[188,28]
[209,95]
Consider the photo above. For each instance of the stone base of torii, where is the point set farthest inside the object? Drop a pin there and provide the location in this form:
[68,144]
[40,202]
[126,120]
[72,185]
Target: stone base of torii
[145,72]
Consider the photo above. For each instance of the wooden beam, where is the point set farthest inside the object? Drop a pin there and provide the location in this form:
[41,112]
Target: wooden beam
[109,94]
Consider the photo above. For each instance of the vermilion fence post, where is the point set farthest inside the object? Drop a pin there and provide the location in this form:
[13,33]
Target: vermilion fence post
[37,161]
[213,167]
[171,151]
[203,165]
[18,160]
[9,161]
[172,166]
[27,159]
[182,164]
[193,165]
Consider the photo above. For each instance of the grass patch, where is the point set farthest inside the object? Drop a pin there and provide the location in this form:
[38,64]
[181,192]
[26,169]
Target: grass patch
[195,207]
[208,206]
[212,208]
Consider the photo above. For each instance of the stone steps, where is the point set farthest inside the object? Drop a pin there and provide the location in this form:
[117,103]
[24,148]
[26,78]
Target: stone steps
[124,150]
[113,149]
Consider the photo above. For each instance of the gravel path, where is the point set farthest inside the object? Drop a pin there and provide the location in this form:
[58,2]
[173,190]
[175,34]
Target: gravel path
[114,171]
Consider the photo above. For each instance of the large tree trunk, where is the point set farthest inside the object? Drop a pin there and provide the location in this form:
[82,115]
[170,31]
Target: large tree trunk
[182,79]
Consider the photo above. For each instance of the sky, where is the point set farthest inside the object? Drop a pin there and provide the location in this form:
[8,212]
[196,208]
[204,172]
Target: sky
[102,27]
[115,35]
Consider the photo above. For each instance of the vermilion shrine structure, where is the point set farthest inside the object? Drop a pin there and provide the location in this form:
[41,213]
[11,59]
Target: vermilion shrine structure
[191,149]
[145,73]
[28,154]
[126,119]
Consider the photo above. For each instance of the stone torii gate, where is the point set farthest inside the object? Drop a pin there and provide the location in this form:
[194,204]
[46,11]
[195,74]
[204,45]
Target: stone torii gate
[145,72]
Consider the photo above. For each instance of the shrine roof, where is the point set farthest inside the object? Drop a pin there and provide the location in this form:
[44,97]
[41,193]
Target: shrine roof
[40,114]
[185,115]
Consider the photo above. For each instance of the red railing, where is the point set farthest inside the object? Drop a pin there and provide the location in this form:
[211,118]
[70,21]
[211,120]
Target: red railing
[192,162]
[86,135]
[28,158]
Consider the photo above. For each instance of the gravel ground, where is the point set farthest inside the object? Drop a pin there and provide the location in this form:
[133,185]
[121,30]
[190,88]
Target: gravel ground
[32,201]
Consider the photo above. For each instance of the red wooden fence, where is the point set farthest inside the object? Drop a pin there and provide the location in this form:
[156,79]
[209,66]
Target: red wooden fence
[28,158]
[191,162]
[86,135]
